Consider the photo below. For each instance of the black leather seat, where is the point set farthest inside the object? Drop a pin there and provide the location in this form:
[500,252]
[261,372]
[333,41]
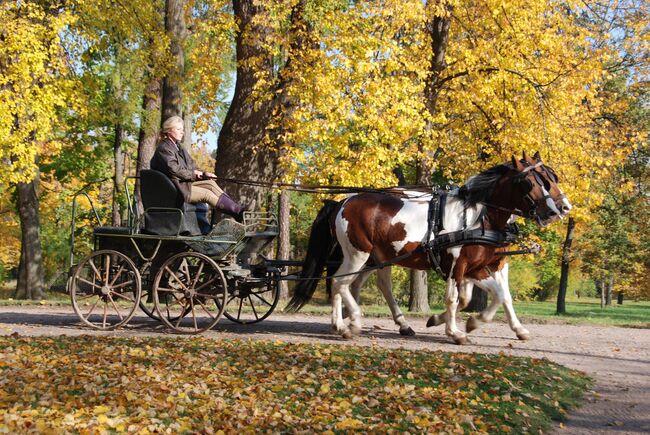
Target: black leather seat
[165,211]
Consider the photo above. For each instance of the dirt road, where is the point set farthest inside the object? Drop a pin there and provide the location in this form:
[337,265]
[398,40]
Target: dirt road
[618,359]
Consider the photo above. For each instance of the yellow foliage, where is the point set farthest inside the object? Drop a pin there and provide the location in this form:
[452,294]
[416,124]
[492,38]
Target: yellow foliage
[33,86]
[521,75]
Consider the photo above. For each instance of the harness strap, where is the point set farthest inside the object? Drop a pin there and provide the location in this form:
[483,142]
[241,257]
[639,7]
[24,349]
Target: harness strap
[434,225]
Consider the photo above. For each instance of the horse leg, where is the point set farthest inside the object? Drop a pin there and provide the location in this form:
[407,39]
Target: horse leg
[497,286]
[502,278]
[385,284]
[355,289]
[341,294]
[454,287]
[464,297]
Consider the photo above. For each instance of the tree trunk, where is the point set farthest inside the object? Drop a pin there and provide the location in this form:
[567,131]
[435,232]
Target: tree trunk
[31,279]
[118,176]
[172,98]
[608,294]
[602,292]
[149,126]
[564,277]
[419,291]
[619,299]
[438,29]
[284,242]
[244,127]
[187,136]
[243,152]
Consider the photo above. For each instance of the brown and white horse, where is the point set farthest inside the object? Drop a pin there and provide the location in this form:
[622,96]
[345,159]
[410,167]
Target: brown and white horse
[388,226]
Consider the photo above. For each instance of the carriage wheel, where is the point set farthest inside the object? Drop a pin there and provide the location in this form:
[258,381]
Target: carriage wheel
[251,305]
[105,289]
[189,292]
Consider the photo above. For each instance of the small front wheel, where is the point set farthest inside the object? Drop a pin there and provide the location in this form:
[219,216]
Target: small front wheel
[249,304]
[189,293]
[105,289]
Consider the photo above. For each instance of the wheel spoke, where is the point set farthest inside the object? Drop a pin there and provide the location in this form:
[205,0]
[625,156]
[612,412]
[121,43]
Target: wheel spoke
[180,316]
[241,302]
[198,275]
[253,307]
[123,296]
[205,308]
[104,321]
[193,313]
[92,308]
[108,266]
[206,284]
[91,263]
[175,277]
[117,275]
[122,284]
[88,282]
[167,290]
[262,299]
[116,309]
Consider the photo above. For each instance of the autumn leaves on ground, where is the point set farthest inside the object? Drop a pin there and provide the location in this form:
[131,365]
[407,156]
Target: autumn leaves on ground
[143,385]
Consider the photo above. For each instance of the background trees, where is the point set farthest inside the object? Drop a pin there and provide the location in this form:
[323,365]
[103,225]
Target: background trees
[335,92]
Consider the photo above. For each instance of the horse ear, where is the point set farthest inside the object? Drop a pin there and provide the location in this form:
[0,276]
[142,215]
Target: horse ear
[537,157]
[525,158]
[516,164]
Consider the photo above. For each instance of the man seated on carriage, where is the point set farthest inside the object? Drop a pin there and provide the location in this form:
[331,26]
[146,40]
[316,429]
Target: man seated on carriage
[195,186]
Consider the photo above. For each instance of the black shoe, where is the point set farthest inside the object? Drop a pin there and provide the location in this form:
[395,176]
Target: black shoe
[239,217]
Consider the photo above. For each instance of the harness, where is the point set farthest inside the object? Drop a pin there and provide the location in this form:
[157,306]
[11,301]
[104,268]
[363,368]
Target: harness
[478,236]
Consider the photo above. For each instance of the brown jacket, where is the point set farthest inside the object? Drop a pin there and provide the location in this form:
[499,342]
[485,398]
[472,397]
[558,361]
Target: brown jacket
[177,164]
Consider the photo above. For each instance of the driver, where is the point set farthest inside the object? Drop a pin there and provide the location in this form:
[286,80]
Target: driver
[195,185]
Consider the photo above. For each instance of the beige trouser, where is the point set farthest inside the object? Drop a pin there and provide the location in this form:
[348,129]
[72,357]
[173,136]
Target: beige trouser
[205,191]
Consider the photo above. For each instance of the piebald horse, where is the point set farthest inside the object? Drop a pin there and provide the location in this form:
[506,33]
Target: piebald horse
[391,226]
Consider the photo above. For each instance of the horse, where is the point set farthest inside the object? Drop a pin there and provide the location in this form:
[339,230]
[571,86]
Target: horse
[393,227]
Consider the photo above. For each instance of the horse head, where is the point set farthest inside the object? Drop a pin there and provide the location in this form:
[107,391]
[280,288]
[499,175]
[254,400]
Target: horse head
[541,198]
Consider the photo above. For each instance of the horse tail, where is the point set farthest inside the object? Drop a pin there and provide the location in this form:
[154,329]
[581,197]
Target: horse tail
[321,245]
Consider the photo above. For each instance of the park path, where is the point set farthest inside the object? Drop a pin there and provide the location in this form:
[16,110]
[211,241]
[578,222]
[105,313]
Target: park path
[618,359]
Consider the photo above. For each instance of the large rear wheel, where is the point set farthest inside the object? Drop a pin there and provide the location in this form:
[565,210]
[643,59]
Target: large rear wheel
[189,293]
[105,289]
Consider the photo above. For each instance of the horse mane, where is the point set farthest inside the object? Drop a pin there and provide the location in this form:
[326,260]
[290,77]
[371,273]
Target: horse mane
[479,187]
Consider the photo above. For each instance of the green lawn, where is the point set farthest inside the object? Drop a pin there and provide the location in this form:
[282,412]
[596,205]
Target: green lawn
[585,310]
[199,385]
[634,314]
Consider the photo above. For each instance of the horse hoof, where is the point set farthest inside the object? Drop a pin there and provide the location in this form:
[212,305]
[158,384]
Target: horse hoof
[434,320]
[460,339]
[355,330]
[407,331]
[347,334]
[523,336]
[472,324]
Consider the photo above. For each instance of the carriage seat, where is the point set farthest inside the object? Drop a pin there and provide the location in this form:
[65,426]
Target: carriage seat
[165,211]
[111,231]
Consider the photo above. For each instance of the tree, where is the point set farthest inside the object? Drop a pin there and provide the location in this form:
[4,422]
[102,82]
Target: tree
[34,88]
[564,279]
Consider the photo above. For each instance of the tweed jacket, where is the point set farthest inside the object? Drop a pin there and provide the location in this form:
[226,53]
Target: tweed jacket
[177,164]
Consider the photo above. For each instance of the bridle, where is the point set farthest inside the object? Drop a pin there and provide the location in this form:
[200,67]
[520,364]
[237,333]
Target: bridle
[522,179]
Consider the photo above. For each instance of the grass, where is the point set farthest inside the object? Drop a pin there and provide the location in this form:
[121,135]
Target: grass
[583,311]
[190,385]
[635,314]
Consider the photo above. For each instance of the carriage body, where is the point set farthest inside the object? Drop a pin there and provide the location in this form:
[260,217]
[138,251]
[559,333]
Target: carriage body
[176,267]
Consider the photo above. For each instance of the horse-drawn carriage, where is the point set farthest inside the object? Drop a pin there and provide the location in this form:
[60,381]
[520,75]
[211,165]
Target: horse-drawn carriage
[180,269]
[173,264]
